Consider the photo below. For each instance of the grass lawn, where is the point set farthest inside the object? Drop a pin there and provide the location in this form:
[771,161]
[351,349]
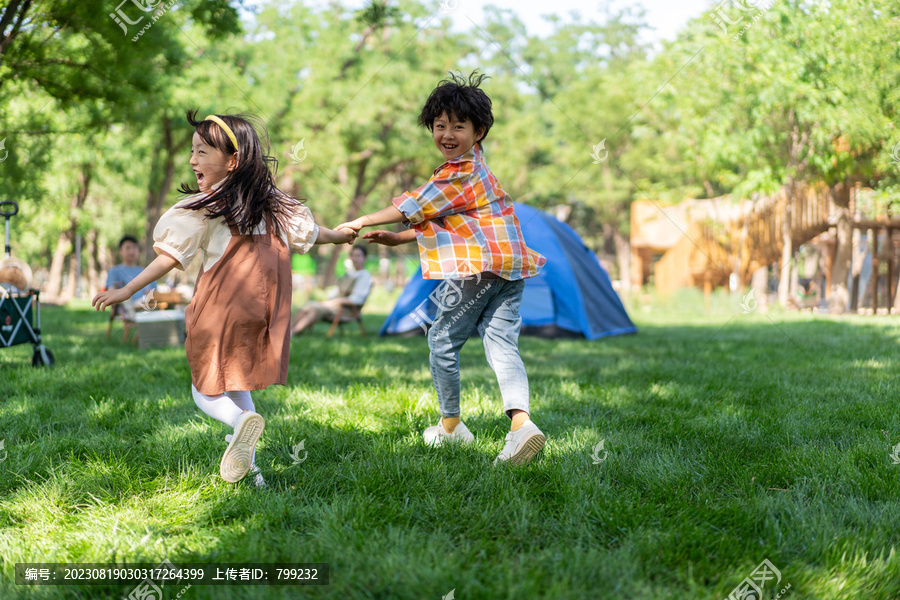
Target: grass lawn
[728,439]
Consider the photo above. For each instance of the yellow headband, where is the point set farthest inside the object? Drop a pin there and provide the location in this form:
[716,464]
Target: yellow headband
[225,128]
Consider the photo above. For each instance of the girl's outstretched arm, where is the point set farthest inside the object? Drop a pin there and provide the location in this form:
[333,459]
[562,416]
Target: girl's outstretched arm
[338,236]
[161,265]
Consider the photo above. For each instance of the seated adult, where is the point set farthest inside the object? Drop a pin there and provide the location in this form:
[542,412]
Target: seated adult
[121,275]
[352,291]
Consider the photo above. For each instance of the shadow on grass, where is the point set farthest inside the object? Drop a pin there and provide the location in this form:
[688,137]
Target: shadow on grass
[725,440]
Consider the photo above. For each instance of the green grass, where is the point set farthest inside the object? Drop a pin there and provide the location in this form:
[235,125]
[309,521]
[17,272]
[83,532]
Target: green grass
[732,438]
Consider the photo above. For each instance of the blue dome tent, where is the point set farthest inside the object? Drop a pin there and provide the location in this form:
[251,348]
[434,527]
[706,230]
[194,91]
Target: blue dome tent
[571,297]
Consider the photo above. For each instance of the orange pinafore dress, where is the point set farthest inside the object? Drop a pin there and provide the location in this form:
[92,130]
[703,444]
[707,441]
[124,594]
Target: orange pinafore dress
[237,325]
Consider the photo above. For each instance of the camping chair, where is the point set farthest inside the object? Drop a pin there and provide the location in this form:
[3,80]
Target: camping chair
[128,323]
[347,314]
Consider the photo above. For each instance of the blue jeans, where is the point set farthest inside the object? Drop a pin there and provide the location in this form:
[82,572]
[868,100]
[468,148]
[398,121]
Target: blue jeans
[492,307]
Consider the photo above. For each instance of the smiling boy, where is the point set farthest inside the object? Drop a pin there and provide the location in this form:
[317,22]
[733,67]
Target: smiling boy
[468,236]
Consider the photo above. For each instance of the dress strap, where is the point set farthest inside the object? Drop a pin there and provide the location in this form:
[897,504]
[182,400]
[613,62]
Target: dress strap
[269,228]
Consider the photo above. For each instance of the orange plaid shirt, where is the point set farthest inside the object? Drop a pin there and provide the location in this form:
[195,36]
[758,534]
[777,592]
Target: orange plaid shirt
[466,225]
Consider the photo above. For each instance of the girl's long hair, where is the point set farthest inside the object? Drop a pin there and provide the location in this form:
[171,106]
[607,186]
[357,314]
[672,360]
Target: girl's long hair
[249,191]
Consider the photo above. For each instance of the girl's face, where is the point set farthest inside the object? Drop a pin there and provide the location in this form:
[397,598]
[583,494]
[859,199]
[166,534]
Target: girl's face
[209,164]
[454,137]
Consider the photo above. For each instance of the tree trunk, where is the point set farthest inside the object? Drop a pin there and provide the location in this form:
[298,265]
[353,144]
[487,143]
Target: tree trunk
[72,282]
[65,243]
[360,193]
[11,19]
[623,256]
[839,294]
[159,187]
[93,274]
[54,279]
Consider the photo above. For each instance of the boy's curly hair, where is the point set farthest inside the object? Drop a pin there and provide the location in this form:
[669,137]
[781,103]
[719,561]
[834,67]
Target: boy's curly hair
[459,98]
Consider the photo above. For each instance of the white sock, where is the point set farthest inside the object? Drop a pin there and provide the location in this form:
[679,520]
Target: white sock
[221,408]
[226,408]
[242,399]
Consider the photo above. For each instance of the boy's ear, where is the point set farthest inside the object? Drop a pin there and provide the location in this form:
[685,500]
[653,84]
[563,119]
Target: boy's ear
[479,135]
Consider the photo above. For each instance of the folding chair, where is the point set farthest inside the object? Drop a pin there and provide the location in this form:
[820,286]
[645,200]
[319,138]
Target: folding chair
[128,323]
[347,314]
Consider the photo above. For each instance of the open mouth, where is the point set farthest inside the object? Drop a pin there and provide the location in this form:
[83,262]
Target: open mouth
[450,147]
[200,177]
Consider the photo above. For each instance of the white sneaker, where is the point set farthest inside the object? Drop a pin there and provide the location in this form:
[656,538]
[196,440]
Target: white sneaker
[521,445]
[237,459]
[258,480]
[437,435]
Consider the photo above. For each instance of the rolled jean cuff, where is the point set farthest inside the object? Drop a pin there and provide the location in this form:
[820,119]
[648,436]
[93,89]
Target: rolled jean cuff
[516,406]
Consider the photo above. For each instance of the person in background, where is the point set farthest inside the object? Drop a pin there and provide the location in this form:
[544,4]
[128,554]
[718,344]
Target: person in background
[121,275]
[353,289]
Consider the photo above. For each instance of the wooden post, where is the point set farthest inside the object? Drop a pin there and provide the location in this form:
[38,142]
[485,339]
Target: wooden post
[889,249]
[874,270]
[856,262]
[830,251]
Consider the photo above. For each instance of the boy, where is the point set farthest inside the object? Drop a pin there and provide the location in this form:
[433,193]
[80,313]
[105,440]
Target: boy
[121,275]
[468,236]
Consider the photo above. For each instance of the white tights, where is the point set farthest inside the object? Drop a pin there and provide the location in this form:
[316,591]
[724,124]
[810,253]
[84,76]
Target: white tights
[225,407]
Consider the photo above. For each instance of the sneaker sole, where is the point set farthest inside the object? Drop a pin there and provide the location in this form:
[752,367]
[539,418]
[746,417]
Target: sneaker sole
[528,450]
[236,461]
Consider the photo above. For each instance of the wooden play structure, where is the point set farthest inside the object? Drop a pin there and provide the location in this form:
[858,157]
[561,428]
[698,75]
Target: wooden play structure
[701,243]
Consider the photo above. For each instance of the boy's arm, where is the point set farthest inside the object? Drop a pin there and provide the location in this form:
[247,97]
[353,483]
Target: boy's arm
[161,265]
[389,238]
[385,216]
[443,195]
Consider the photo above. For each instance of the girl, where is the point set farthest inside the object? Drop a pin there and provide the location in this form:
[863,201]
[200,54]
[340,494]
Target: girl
[237,324]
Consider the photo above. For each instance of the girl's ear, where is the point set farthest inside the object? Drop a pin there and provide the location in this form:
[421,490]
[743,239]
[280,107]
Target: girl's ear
[232,162]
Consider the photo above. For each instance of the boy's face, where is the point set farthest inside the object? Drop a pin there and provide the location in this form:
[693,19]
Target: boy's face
[129,253]
[209,164]
[454,137]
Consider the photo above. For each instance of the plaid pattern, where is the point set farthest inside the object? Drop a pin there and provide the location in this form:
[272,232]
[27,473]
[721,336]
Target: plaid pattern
[465,224]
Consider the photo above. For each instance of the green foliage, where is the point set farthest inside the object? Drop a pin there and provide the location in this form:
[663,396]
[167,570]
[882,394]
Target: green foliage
[785,93]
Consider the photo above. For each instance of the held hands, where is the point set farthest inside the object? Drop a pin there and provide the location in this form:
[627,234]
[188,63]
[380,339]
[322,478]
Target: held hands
[354,225]
[345,235]
[108,298]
